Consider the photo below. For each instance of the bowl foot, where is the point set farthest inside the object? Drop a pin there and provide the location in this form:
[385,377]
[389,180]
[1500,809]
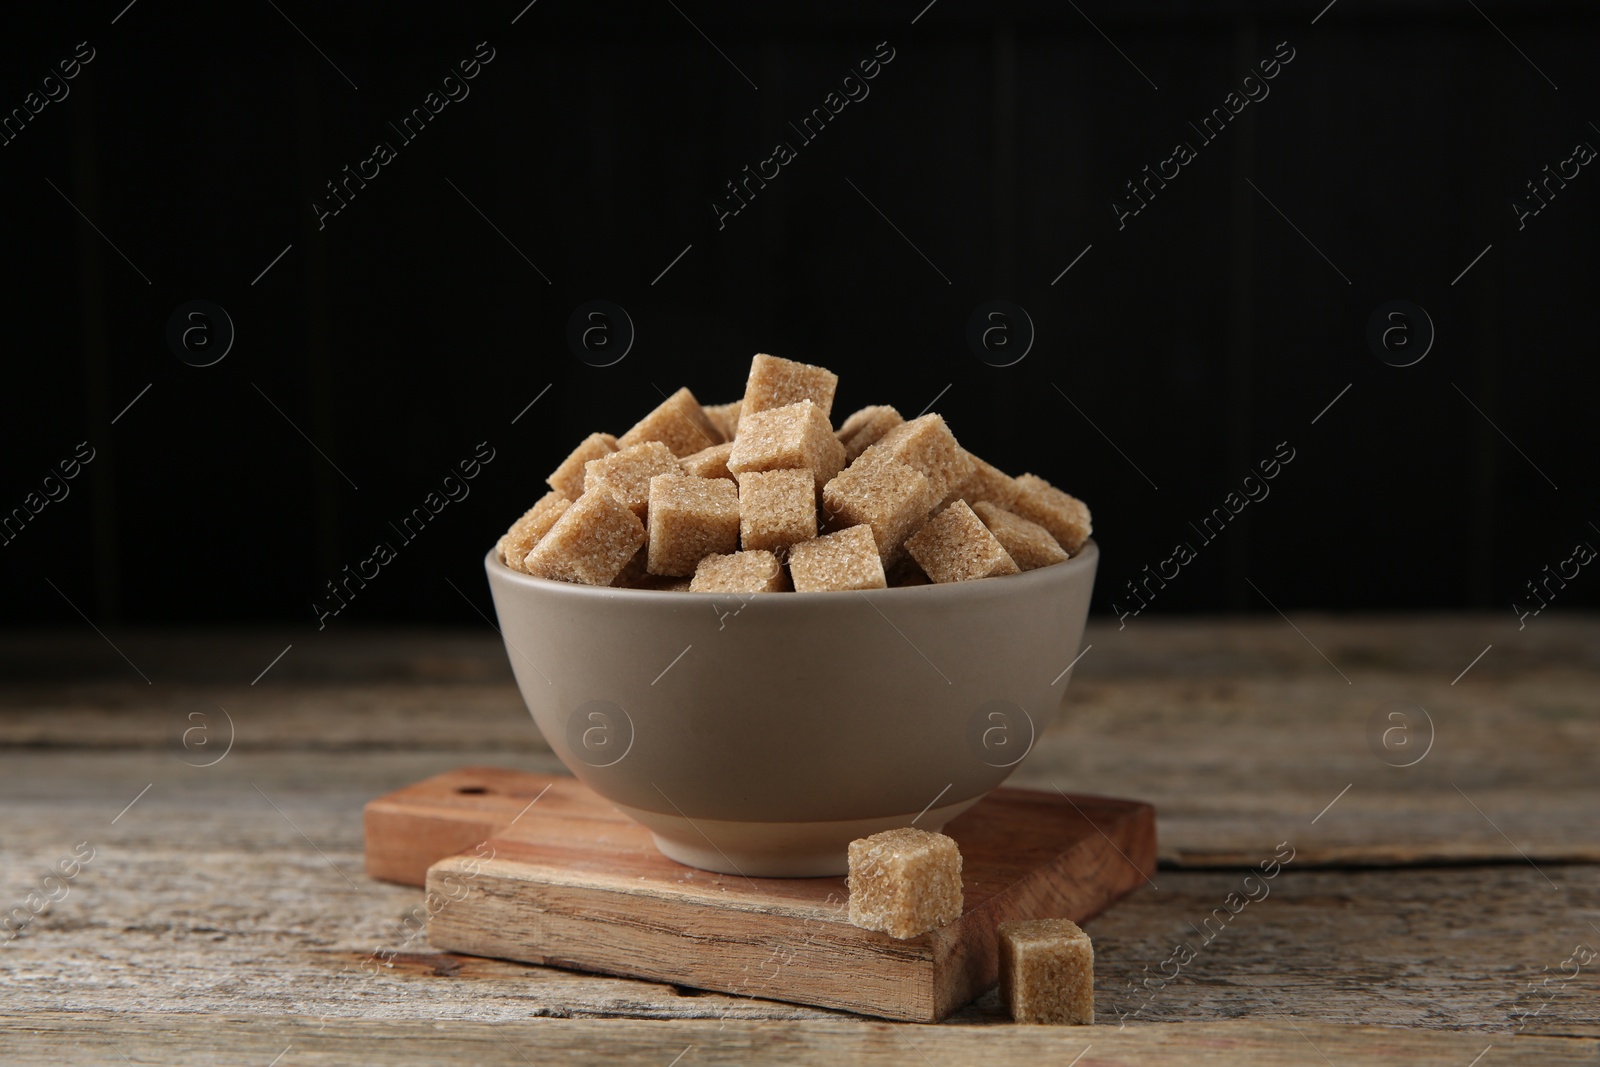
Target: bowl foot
[776,849]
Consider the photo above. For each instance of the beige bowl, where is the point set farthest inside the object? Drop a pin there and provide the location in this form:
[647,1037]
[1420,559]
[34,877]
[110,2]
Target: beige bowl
[761,734]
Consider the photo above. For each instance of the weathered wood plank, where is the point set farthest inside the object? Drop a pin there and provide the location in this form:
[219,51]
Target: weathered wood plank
[204,898]
[50,1039]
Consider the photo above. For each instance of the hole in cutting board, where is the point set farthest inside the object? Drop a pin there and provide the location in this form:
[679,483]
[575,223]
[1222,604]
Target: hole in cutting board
[470,789]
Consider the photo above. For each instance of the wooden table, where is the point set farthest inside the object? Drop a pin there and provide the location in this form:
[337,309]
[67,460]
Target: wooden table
[1430,913]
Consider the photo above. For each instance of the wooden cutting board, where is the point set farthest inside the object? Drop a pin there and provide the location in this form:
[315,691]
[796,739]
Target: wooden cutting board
[540,869]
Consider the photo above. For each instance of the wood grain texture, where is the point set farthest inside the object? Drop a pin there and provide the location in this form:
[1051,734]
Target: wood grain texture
[567,880]
[203,898]
[210,923]
[51,1039]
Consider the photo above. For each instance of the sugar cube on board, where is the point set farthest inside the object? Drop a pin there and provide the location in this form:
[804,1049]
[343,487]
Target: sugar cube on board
[627,473]
[590,543]
[796,435]
[1046,971]
[1028,544]
[927,444]
[725,417]
[955,546]
[710,462]
[690,518]
[776,383]
[1066,517]
[679,422]
[864,428]
[739,572]
[904,882]
[888,496]
[845,560]
[534,524]
[777,509]
[567,479]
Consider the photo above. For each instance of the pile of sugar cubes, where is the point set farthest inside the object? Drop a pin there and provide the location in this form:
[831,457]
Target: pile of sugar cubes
[907,882]
[764,495]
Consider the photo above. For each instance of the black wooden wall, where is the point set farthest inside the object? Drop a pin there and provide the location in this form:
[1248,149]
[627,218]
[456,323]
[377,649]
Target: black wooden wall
[1186,344]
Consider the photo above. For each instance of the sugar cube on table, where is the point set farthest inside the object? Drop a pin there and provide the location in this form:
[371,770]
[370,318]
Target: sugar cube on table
[777,509]
[739,572]
[784,438]
[710,462]
[847,559]
[1046,971]
[725,417]
[776,383]
[1066,517]
[986,483]
[679,422]
[627,473]
[567,479]
[865,427]
[518,541]
[927,444]
[1029,545]
[690,518]
[590,543]
[955,546]
[904,882]
[888,496]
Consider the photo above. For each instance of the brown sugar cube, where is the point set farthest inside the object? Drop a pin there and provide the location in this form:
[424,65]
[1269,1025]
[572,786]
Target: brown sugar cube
[535,523]
[567,479]
[776,383]
[888,496]
[777,509]
[591,542]
[725,417]
[955,546]
[864,428]
[796,435]
[1046,971]
[845,560]
[1066,517]
[927,444]
[739,572]
[690,518]
[710,462]
[904,882]
[986,482]
[627,473]
[1029,545]
[679,422]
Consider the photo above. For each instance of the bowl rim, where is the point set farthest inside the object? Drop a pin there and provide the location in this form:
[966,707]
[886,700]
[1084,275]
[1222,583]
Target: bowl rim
[1084,560]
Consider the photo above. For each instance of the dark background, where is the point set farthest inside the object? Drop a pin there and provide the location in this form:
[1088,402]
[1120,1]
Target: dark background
[409,330]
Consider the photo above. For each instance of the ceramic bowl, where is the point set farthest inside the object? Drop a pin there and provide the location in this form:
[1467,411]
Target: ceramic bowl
[760,734]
